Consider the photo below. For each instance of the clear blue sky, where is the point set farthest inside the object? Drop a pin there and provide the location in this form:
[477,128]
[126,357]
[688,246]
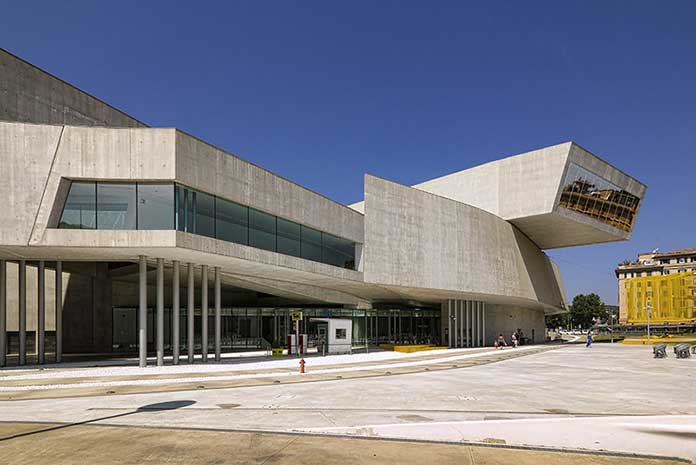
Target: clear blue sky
[321,92]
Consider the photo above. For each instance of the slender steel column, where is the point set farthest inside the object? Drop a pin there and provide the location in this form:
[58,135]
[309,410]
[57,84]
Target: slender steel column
[462,328]
[175,311]
[467,308]
[142,312]
[189,313]
[41,317]
[474,319]
[478,324]
[22,312]
[474,316]
[204,313]
[3,313]
[59,311]
[455,324]
[483,322]
[160,312]
[449,324]
[481,335]
[455,320]
[218,311]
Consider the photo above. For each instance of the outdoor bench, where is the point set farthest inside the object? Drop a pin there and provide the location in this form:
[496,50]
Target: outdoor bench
[660,351]
[682,350]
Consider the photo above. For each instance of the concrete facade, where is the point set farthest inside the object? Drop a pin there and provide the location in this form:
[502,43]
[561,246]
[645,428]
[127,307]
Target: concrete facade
[29,94]
[525,190]
[473,236]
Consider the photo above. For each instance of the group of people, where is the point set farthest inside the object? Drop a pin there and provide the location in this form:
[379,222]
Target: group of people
[515,339]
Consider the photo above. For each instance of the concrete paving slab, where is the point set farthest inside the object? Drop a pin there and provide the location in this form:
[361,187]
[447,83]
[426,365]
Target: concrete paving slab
[57,444]
[572,397]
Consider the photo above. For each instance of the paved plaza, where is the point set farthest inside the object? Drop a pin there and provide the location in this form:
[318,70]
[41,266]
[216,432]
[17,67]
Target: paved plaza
[482,404]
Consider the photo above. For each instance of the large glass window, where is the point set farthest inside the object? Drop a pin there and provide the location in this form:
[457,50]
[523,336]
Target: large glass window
[232,221]
[190,197]
[594,196]
[311,244]
[262,230]
[116,206]
[155,206]
[80,211]
[205,214]
[288,237]
[181,198]
[337,251]
[166,206]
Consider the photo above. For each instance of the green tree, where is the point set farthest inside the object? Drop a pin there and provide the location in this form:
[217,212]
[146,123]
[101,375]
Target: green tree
[585,309]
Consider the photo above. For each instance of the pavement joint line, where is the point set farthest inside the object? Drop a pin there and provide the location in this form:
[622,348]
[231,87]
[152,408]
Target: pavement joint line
[279,450]
[394,410]
[603,453]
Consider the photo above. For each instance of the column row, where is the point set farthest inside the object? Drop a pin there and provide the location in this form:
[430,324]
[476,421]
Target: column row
[466,323]
[22,312]
[190,304]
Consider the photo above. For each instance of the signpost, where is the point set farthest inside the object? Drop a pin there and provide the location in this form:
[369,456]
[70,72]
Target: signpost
[648,308]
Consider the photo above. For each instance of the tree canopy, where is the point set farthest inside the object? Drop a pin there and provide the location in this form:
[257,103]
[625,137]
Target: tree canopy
[582,313]
[585,309]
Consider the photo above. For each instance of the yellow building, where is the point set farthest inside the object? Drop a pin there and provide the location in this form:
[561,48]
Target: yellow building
[664,281]
[671,298]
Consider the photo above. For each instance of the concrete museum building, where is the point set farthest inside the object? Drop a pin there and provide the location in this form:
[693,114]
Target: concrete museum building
[120,237]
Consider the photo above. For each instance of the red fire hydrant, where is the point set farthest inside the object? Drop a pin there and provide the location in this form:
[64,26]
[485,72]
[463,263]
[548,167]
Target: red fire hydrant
[302,363]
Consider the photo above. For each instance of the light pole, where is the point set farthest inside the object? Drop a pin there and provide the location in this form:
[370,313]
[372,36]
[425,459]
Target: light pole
[647,309]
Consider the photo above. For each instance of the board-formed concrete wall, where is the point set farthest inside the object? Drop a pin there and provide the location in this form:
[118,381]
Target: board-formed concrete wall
[416,239]
[525,190]
[203,166]
[518,186]
[31,95]
[507,319]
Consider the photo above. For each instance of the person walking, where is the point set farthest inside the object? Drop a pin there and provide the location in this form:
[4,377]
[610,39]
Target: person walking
[513,340]
[589,338]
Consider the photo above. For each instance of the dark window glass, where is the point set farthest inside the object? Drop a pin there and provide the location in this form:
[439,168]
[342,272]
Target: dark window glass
[205,214]
[232,222]
[262,230]
[311,244]
[338,251]
[180,208]
[190,213]
[80,210]
[155,206]
[288,237]
[116,206]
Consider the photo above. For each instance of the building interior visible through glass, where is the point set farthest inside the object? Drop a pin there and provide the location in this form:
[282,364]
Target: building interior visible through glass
[162,206]
[587,193]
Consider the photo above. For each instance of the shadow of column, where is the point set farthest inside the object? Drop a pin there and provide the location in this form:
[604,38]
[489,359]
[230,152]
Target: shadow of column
[160,406]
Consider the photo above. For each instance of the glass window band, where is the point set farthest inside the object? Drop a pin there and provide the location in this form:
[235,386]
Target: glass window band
[167,206]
